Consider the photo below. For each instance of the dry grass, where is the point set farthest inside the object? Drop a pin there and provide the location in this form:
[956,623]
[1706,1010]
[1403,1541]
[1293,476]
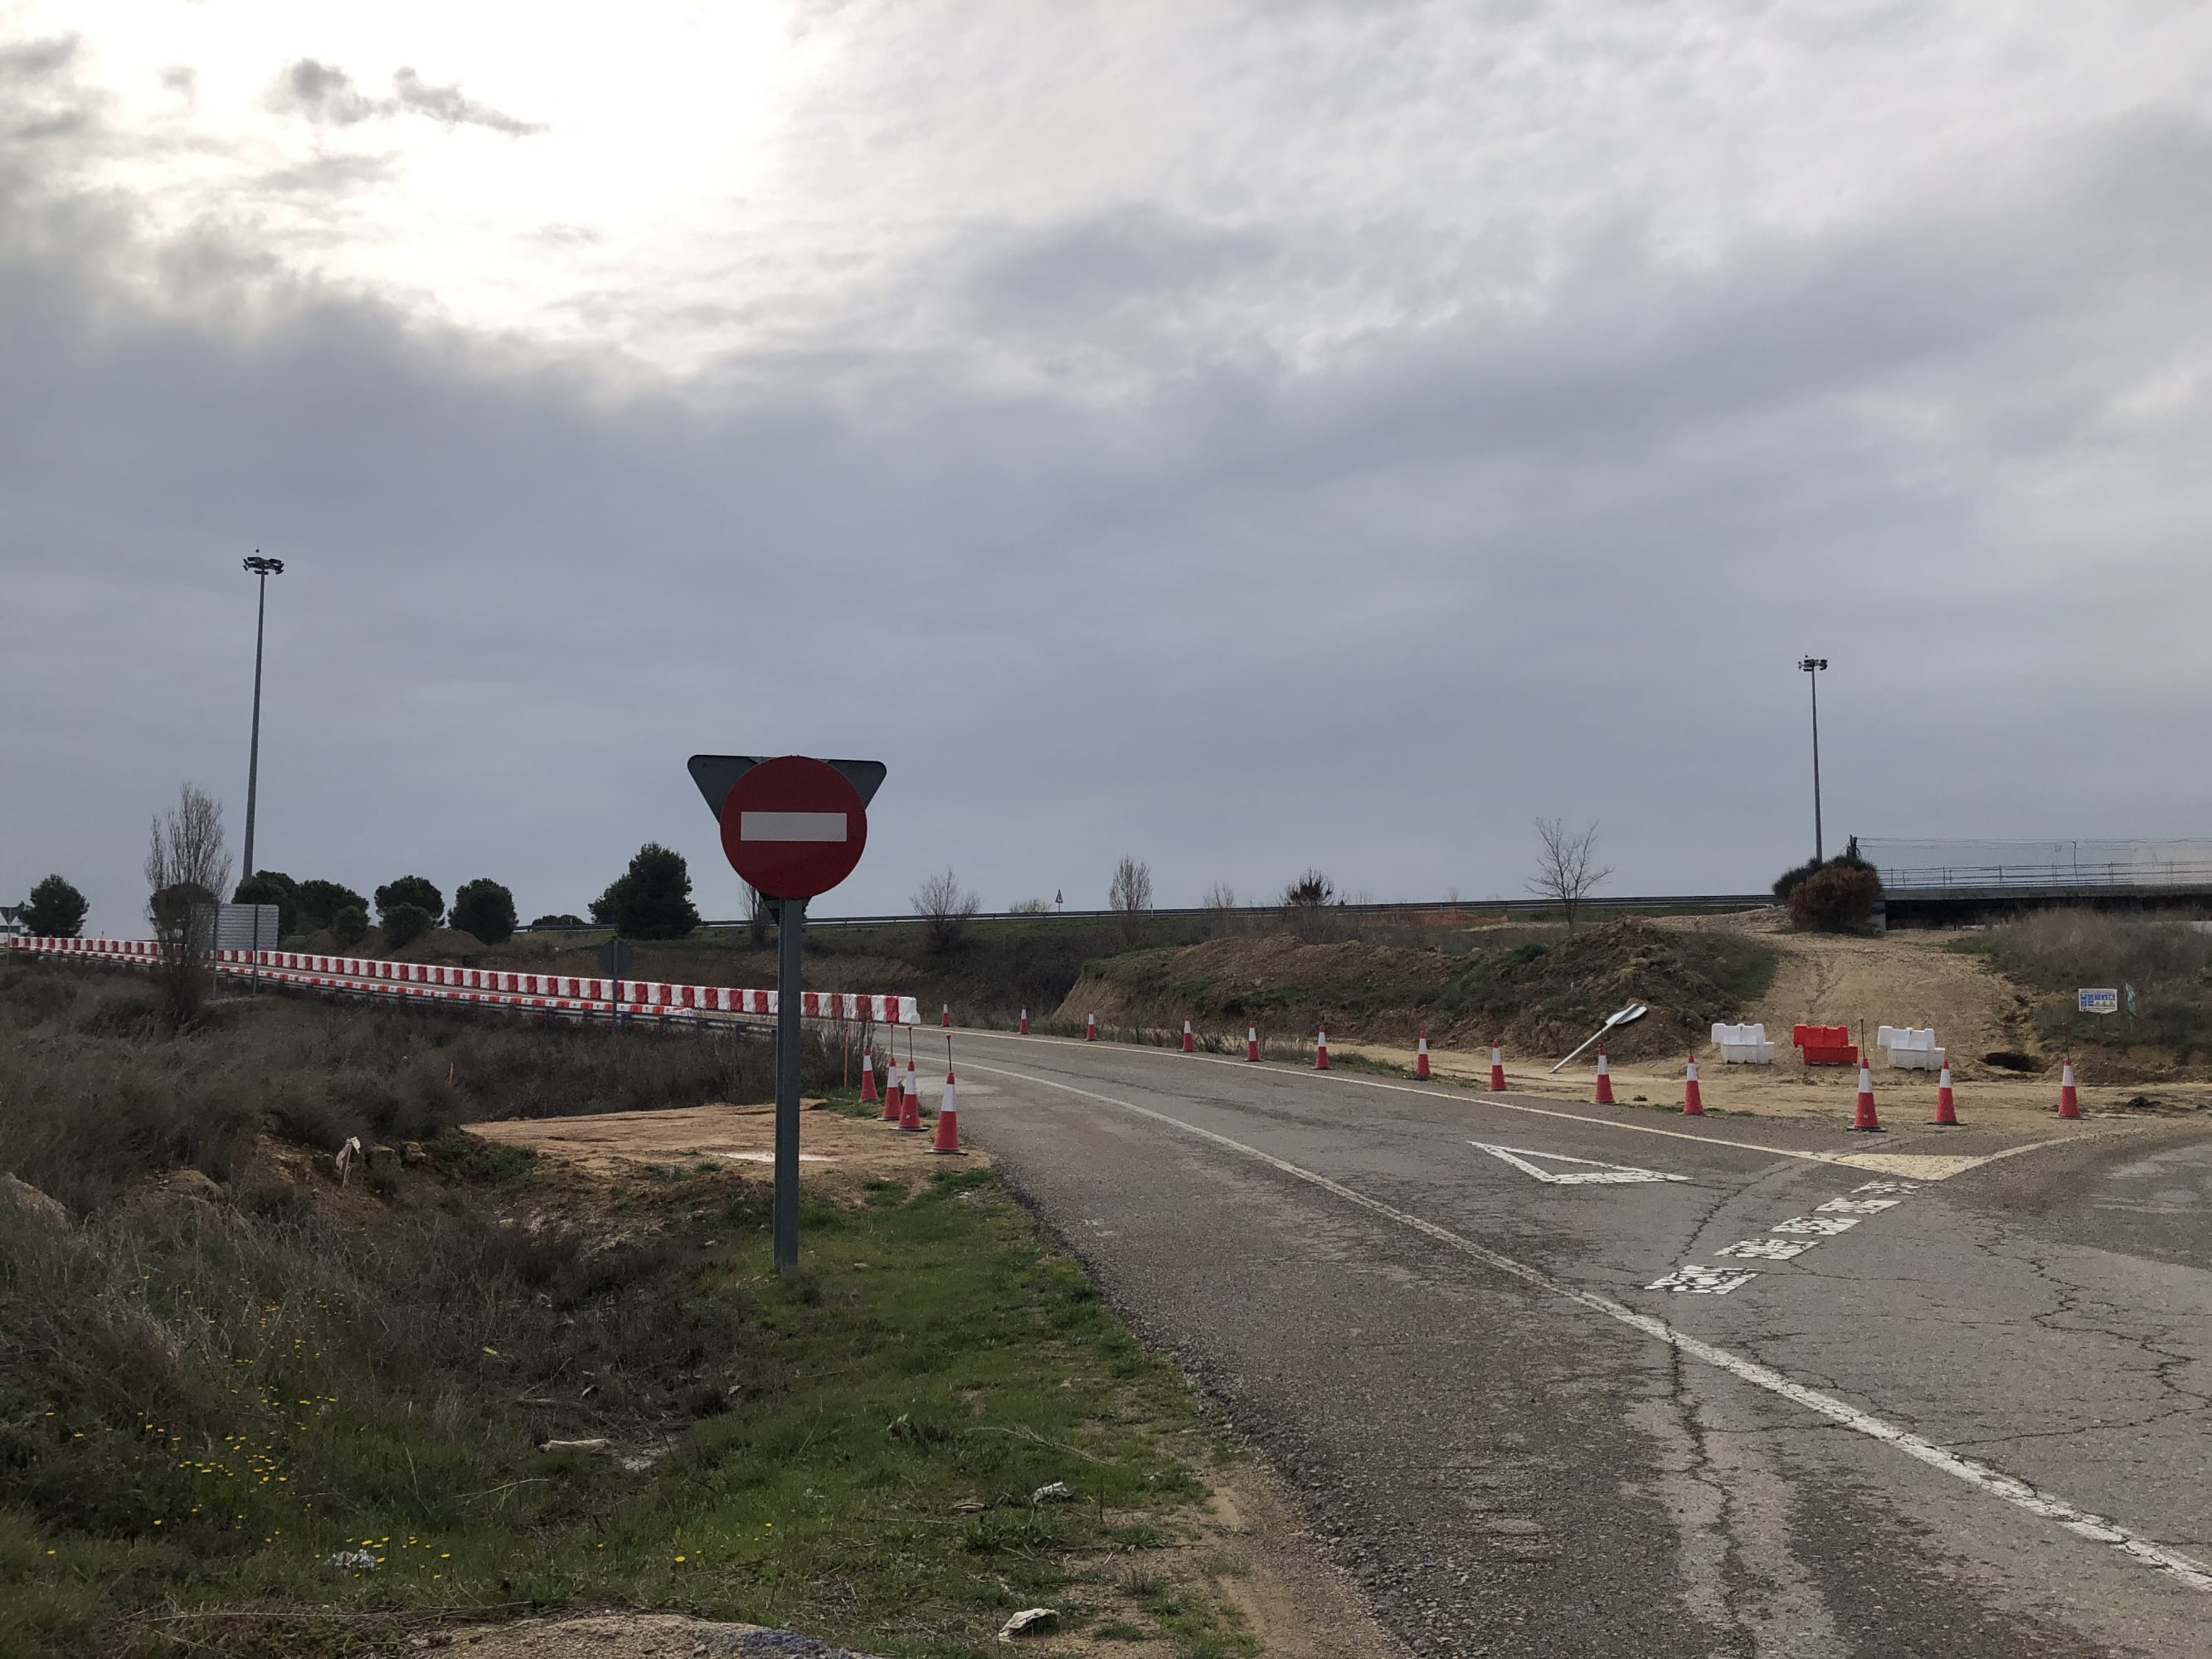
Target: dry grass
[94,1094]
[2168,963]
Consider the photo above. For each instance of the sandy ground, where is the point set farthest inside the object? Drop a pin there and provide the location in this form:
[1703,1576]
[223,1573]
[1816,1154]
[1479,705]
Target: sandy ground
[1899,979]
[837,1153]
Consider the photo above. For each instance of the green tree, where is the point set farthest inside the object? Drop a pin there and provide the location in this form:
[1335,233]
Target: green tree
[404,924]
[410,890]
[485,909]
[350,926]
[563,919]
[272,887]
[321,900]
[55,910]
[650,900]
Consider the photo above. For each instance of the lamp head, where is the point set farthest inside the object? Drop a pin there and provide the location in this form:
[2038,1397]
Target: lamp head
[1809,664]
[260,566]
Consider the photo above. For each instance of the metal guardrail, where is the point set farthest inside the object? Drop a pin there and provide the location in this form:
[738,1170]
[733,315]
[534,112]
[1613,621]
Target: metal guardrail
[1435,911]
[2111,877]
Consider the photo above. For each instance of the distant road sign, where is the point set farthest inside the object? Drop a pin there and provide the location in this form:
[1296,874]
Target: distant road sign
[2105,1001]
[615,959]
[793,826]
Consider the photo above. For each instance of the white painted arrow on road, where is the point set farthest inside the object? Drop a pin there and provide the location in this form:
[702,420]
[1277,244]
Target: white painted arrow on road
[1593,1174]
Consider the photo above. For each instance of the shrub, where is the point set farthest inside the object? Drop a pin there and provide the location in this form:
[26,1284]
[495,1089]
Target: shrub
[405,923]
[485,909]
[350,926]
[321,900]
[1788,881]
[410,890]
[564,920]
[650,900]
[55,910]
[1835,899]
[272,887]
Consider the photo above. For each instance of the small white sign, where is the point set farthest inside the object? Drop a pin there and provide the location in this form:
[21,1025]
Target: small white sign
[2104,1001]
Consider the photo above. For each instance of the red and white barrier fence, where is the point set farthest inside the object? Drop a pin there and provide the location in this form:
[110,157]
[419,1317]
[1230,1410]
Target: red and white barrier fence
[494,986]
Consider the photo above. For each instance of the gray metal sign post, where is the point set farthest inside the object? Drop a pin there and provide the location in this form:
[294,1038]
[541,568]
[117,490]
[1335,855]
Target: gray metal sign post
[791,931]
[717,775]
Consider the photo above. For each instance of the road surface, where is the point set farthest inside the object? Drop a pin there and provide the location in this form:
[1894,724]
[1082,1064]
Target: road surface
[1571,1380]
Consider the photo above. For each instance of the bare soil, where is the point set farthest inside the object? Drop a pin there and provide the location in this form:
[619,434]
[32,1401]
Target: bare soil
[838,1154]
[1895,979]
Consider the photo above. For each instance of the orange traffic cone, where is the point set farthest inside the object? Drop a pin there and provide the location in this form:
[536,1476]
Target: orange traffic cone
[910,1108]
[1946,1107]
[947,1018]
[1320,1051]
[948,1120]
[1251,1042]
[1497,1069]
[867,1079]
[1863,1118]
[1091,1028]
[1421,1056]
[1190,1042]
[894,1096]
[1694,1103]
[1025,1022]
[1604,1095]
[2069,1098]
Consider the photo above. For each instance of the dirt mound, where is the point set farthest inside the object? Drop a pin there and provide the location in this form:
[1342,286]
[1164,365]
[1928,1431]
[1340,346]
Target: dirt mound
[1538,997]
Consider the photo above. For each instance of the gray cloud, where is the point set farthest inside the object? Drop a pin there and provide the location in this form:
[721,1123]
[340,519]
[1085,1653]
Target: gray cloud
[324,93]
[1374,608]
[447,105]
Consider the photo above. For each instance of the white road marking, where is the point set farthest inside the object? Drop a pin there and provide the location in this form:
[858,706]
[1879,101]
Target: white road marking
[1766,1249]
[1974,1473]
[1598,1175]
[1885,1187]
[1857,1206]
[1825,1226]
[1704,1281]
[1923,1166]
[791,826]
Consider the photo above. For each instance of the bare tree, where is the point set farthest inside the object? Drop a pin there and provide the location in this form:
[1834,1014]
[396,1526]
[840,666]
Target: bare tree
[1305,902]
[760,911]
[186,867]
[947,907]
[1567,870]
[1131,893]
[1219,896]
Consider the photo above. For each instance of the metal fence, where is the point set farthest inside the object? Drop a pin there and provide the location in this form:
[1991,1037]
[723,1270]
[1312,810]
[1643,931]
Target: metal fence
[1924,865]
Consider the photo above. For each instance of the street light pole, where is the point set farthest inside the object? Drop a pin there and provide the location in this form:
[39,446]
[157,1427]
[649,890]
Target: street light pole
[1812,666]
[262,570]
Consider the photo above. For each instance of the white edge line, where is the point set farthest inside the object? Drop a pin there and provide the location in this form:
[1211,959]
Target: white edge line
[2013,1490]
[1469,1098]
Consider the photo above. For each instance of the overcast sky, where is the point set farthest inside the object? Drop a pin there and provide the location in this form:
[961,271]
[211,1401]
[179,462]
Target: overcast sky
[1246,436]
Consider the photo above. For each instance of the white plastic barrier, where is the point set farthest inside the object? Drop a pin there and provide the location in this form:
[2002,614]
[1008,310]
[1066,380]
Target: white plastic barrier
[1743,1045]
[496,985]
[1911,1047]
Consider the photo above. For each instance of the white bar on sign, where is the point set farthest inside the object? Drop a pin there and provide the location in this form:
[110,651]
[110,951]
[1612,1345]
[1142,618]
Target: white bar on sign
[791,826]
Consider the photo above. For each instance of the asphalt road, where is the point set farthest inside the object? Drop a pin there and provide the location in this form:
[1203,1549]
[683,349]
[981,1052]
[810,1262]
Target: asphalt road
[1971,1420]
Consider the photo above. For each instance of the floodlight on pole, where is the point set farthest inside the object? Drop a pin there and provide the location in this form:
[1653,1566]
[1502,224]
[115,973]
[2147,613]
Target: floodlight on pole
[1812,666]
[262,570]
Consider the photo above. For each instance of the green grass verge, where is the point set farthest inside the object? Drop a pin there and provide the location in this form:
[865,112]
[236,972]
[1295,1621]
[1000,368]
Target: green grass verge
[228,1460]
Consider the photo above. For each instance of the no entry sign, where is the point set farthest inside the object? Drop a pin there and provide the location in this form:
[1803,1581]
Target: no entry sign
[793,826]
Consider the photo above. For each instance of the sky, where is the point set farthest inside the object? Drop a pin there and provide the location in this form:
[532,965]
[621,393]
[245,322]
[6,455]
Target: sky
[1247,437]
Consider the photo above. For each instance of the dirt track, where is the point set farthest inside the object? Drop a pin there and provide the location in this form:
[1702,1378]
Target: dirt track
[837,1153]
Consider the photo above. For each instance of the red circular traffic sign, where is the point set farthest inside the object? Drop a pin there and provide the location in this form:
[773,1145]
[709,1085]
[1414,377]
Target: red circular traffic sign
[793,827]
